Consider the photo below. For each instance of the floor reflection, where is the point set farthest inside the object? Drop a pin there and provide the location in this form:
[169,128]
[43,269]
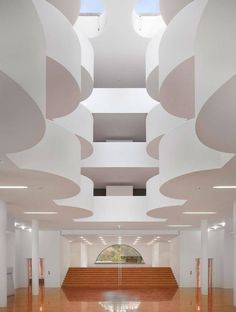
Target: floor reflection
[120,295]
[120,306]
[146,300]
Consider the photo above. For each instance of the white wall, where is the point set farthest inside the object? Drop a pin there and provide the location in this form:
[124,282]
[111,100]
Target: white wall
[23,251]
[65,257]
[155,255]
[228,260]
[49,249]
[161,254]
[175,257]
[190,249]
[59,254]
[78,255]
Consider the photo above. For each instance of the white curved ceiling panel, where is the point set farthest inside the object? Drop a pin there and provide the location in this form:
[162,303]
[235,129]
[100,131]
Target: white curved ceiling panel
[63,60]
[70,9]
[169,8]
[186,164]
[176,70]
[158,123]
[22,76]
[215,76]
[80,122]
[56,155]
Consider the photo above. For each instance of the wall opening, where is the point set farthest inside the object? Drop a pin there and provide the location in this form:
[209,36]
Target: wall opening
[41,271]
[119,254]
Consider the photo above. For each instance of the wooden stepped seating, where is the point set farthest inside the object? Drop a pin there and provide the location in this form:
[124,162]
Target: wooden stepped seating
[115,278]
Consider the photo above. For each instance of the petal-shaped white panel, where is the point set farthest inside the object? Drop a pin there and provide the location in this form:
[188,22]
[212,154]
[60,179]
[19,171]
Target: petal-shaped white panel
[158,123]
[63,61]
[69,8]
[22,76]
[215,76]
[186,164]
[177,61]
[80,122]
[169,8]
[152,65]
[156,200]
[83,202]
[57,156]
[87,63]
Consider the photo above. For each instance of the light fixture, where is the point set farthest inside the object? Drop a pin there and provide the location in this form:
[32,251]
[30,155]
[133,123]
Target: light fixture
[9,187]
[222,224]
[30,230]
[40,212]
[180,225]
[224,187]
[199,212]
[23,227]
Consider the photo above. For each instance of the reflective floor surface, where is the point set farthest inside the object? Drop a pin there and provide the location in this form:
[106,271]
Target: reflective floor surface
[158,300]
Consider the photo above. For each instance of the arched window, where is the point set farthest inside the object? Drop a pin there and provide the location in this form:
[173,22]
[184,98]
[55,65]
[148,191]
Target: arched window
[119,254]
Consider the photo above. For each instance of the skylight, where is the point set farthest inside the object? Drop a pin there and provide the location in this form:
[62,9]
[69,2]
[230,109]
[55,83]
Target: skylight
[91,7]
[151,7]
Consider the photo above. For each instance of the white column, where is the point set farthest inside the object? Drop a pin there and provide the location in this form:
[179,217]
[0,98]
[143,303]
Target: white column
[3,255]
[234,258]
[155,255]
[83,255]
[204,257]
[35,257]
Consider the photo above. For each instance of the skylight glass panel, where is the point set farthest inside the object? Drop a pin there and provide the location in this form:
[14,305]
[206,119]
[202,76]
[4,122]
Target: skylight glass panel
[151,7]
[91,7]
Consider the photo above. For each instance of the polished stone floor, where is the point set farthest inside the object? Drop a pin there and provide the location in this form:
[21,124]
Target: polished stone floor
[161,300]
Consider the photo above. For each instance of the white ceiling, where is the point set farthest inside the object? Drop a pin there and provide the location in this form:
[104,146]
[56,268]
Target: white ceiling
[120,127]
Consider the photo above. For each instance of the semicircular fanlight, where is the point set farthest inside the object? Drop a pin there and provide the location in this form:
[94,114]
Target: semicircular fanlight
[119,254]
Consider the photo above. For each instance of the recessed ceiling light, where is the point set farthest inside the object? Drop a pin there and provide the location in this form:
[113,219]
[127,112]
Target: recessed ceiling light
[179,225]
[222,224]
[23,227]
[215,227]
[13,187]
[224,187]
[199,212]
[40,212]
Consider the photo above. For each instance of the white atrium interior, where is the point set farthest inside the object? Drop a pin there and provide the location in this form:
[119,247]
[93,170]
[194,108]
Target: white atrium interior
[117,130]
